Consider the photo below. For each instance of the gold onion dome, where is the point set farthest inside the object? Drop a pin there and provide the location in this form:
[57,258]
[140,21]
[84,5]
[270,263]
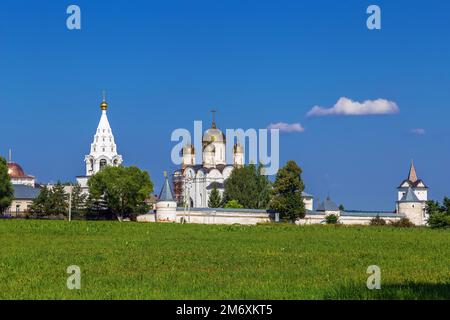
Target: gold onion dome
[104,105]
[15,170]
[213,135]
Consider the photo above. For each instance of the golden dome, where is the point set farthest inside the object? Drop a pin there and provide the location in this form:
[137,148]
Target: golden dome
[213,135]
[15,170]
[104,105]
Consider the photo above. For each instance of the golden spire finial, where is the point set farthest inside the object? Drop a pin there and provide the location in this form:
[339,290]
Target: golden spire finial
[104,105]
[165,174]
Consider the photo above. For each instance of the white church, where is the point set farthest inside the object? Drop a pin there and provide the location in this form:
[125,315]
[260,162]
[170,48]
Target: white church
[103,149]
[193,183]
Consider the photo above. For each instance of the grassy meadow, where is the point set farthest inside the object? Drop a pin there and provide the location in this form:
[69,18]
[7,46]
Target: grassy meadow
[173,261]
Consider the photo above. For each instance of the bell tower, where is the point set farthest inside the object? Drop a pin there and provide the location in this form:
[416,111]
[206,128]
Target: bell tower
[103,148]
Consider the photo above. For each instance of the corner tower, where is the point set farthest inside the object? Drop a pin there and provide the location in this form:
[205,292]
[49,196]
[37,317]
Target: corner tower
[411,198]
[417,185]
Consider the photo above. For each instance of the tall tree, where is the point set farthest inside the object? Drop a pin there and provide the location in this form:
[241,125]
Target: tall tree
[58,200]
[41,205]
[123,189]
[439,216]
[215,199]
[263,187]
[249,186]
[6,188]
[287,192]
[78,201]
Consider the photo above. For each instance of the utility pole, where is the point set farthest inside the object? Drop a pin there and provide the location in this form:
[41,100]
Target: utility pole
[70,203]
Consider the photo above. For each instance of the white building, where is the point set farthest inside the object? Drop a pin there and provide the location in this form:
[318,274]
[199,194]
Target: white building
[25,189]
[412,195]
[411,198]
[103,149]
[193,183]
[413,182]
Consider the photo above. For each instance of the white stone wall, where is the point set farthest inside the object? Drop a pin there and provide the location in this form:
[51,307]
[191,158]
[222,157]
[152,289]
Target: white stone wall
[347,220]
[216,217]
[166,211]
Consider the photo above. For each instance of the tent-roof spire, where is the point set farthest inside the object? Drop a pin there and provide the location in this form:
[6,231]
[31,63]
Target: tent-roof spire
[412,176]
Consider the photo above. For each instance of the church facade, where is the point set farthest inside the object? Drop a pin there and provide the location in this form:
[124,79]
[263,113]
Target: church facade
[193,183]
[103,150]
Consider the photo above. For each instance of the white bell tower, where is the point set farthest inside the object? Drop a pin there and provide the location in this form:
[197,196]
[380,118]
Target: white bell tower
[103,148]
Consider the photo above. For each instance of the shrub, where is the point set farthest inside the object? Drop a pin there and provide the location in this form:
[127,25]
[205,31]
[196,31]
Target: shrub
[233,204]
[439,220]
[377,221]
[402,223]
[331,219]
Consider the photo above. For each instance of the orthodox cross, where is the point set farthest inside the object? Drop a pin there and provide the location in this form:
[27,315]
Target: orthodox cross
[213,111]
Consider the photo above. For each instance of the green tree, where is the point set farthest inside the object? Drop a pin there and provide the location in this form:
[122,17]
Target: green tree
[78,201]
[58,199]
[263,187]
[287,192]
[41,205]
[214,198]
[96,208]
[123,190]
[331,219]
[233,204]
[377,221]
[249,186]
[439,216]
[6,188]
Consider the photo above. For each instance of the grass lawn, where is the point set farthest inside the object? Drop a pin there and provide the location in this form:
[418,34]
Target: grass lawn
[174,261]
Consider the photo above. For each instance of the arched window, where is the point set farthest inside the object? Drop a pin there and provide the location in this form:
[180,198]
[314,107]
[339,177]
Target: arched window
[102,164]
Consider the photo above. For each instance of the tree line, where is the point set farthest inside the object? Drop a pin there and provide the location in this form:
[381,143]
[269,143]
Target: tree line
[248,187]
[114,192]
[123,192]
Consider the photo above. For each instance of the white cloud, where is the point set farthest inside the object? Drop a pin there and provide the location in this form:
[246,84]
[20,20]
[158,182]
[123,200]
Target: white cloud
[347,107]
[286,127]
[418,131]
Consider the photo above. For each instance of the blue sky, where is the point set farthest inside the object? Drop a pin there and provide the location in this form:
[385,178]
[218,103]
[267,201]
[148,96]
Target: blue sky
[165,64]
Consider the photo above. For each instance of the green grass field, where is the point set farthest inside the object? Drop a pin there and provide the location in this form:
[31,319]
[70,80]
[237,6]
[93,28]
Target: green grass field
[174,261]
